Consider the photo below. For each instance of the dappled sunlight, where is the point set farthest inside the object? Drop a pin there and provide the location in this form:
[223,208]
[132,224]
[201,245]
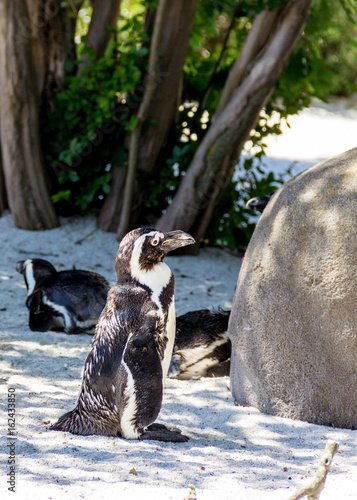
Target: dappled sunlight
[230,446]
[228,442]
[54,350]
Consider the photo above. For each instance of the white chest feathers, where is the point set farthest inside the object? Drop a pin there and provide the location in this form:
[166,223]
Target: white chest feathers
[170,331]
[156,278]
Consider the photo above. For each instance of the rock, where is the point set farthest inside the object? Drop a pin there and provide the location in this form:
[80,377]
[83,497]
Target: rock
[293,325]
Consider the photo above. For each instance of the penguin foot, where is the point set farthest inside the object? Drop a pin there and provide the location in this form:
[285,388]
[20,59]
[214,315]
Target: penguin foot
[174,368]
[159,432]
[73,331]
[77,330]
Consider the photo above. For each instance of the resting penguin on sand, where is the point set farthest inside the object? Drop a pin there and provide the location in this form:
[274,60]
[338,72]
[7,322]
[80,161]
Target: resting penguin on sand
[70,299]
[122,386]
[202,347]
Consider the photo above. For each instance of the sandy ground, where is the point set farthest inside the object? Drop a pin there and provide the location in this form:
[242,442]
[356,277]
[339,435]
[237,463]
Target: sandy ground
[233,452]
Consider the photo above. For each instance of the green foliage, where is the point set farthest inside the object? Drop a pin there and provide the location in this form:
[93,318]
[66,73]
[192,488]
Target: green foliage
[313,71]
[233,224]
[325,60]
[323,64]
[159,190]
[83,134]
[253,7]
[211,26]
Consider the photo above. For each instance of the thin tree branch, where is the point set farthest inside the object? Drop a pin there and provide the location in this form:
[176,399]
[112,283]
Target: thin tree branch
[105,14]
[218,63]
[314,487]
[262,30]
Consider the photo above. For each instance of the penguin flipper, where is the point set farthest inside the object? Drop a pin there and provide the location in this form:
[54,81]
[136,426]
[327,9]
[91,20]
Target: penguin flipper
[159,432]
[41,316]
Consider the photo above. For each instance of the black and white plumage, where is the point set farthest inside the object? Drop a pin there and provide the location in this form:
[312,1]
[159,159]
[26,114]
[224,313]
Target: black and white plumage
[122,386]
[259,203]
[71,299]
[202,347]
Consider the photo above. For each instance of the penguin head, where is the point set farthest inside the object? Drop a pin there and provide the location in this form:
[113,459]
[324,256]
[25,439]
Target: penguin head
[259,203]
[33,270]
[142,249]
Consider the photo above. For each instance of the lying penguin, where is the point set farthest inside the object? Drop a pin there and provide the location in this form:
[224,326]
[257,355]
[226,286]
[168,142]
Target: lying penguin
[122,386]
[71,299]
[202,347]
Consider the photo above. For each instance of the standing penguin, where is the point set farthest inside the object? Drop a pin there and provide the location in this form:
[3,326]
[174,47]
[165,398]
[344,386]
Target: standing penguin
[70,299]
[122,386]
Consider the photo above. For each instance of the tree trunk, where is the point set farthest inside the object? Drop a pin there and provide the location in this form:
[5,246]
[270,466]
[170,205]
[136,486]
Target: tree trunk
[142,115]
[3,197]
[27,190]
[256,41]
[163,108]
[219,151]
[105,14]
[51,30]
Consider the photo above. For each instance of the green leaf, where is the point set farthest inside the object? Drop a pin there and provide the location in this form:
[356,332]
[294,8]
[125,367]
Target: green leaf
[110,48]
[61,195]
[129,127]
[73,176]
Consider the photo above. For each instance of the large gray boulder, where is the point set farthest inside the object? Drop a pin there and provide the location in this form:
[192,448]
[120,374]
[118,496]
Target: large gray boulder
[293,325]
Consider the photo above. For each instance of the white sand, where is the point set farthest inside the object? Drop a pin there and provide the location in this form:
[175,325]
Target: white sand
[233,452]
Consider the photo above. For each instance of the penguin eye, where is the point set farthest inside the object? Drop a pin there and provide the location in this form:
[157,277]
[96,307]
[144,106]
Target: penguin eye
[155,241]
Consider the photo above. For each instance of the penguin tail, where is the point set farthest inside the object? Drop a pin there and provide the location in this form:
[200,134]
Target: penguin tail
[79,421]
[72,421]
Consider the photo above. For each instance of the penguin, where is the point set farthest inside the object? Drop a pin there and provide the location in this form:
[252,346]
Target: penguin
[202,347]
[70,300]
[123,379]
[259,203]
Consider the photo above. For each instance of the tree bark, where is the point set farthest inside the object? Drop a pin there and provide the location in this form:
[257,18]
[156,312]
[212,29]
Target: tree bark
[217,155]
[141,118]
[3,197]
[207,91]
[105,14]
[27,190]
[261,30]
[50,30]
[163,108]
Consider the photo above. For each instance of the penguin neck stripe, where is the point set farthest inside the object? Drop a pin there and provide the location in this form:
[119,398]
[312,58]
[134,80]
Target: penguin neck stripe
[136,269]
[29,275]
[156,278]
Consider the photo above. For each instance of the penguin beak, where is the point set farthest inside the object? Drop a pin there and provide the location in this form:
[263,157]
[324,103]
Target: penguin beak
[176,239]
[20,266]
